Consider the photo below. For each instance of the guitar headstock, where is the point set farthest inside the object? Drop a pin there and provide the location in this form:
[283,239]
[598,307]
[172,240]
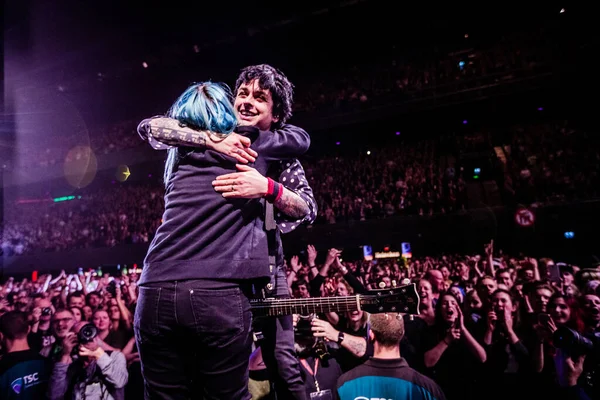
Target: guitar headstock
[402,299]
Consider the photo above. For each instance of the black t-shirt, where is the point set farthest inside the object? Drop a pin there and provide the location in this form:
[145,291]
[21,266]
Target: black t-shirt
[40,339]
[24,375]
[345,358]
[456,369]
[411,346]
[328,372]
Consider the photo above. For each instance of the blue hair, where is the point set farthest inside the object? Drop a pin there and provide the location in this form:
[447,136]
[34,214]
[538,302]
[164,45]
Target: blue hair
[203,106]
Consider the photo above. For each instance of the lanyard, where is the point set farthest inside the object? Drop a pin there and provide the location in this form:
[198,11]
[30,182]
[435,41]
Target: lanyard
[310,371]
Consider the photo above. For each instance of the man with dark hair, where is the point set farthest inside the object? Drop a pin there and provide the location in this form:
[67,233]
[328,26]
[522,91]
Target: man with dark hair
[76,299]
[296,206]
[300,289]
[263,99]
[264,76]
[258,109]
[386,375]
[94,300]
[24,373]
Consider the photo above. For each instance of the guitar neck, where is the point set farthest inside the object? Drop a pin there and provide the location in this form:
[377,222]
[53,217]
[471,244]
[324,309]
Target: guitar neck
[275,307]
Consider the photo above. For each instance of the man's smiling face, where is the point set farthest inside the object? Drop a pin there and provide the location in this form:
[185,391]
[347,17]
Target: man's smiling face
[254,106]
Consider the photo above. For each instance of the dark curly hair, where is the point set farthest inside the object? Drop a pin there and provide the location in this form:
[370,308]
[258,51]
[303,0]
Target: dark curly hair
[282,90]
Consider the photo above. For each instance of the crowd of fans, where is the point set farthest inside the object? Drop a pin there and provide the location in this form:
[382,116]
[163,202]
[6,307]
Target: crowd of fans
[57,148]
[362,86]
[490,325]
[487,325]
[543,163]
[552,162]
[76,333]
[510,57]
[125,214]
[405,180]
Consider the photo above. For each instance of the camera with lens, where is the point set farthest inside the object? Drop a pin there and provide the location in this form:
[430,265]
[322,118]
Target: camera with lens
[576,345]
[573,342]
[305,339]
[112,288]
[87,333]
[46,311]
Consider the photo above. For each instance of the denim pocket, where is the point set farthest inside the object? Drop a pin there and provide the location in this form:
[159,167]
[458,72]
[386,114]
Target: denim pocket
[145,319]
[219,315]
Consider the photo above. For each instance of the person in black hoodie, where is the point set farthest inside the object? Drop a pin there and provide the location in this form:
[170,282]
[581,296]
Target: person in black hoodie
[263,99]
[192,322]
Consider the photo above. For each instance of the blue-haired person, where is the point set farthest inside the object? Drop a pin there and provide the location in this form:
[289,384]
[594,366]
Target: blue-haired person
[263,99]
[193,319]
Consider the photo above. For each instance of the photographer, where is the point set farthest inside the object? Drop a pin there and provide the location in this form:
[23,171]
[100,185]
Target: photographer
[320,370]
[90,372]
[352,339]
[40,335]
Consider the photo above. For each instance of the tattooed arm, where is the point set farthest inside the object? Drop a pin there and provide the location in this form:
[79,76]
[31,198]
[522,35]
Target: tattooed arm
[296,204]
[285,142]
[290,212]
[164,133]
[355,345]
[291,204]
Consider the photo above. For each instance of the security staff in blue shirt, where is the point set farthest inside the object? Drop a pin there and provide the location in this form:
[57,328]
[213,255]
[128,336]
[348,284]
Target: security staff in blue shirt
[24,372]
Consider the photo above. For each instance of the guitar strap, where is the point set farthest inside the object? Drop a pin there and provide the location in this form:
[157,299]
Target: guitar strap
[271,228]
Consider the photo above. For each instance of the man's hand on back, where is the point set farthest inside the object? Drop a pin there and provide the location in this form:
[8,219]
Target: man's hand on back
[246,184]
[233,145]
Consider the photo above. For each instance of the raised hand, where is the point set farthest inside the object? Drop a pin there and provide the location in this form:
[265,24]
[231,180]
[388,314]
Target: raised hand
[332,254]
[452,335]
[508,320]
[461,318]
[36,314]
[324,329]
[295,264]
[492,319]
[311,254]
[69,343]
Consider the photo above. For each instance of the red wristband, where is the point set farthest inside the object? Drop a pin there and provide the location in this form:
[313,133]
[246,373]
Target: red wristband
[270,187]
[274,190]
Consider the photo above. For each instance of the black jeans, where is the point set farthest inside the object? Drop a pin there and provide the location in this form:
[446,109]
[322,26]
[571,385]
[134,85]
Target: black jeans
[278,351]
[194,339]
